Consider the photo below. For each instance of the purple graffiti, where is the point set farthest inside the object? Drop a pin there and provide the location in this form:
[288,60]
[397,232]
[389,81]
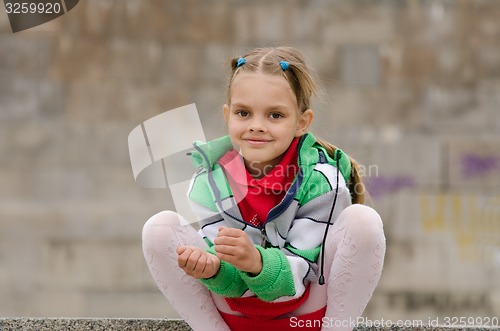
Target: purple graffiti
[474,165]
[382,185]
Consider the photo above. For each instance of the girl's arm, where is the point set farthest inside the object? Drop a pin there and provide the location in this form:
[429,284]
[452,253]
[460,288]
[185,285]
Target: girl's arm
[287,271]
[227,282]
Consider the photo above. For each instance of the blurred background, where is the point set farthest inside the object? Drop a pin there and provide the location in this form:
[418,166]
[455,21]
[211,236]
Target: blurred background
[411,90]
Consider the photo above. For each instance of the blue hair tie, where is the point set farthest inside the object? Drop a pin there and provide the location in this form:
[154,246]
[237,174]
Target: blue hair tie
[284,65]
[241,61]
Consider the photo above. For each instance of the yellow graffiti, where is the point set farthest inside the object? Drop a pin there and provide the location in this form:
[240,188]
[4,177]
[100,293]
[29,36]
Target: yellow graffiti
[473,223]
[432,219]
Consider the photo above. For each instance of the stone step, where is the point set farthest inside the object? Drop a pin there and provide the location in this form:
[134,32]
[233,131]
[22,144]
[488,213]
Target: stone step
[126,324]
[94,324]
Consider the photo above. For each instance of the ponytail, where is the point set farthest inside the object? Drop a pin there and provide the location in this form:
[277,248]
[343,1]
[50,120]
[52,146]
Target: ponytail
[355,183]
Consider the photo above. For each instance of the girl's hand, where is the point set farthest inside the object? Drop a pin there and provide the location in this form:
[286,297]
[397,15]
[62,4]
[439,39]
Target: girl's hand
[197,262]
[234,246]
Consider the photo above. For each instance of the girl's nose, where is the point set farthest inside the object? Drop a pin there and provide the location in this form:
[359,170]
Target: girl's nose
[256,126]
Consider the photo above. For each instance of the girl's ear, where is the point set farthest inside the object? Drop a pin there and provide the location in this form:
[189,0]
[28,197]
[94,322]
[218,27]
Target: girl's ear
[226,112]
[304,122]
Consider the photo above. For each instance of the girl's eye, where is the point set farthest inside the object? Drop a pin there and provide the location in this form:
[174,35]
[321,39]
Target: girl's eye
[242,113]
[275,116]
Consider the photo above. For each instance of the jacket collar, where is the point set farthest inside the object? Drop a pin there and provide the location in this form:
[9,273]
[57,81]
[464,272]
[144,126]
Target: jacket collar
[207,154]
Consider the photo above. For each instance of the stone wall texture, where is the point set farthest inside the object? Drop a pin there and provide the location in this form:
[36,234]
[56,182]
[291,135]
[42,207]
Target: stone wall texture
[411,90]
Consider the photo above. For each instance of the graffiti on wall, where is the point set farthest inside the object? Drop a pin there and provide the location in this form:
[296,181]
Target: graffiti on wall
[472,221]
[381,186]
[475,165]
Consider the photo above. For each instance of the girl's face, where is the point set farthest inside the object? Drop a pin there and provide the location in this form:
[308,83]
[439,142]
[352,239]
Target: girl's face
[262,119]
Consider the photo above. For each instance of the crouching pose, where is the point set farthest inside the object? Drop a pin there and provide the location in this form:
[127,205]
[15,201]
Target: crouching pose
[285,240]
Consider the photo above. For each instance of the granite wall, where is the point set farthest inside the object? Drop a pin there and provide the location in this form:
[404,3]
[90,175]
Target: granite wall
[411,89]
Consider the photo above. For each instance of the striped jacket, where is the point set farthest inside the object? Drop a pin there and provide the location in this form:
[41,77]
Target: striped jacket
[291,237]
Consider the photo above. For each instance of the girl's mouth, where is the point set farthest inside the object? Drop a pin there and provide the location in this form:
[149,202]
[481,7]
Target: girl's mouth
[256,141]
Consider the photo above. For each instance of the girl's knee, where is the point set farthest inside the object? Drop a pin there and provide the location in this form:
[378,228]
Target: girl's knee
[161,222]
[364,221]
[166,217]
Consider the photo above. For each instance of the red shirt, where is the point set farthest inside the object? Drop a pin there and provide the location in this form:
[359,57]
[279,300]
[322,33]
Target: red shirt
[256,197]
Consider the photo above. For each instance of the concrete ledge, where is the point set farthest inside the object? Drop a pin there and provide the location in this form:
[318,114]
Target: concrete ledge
[119,324]
[94,324]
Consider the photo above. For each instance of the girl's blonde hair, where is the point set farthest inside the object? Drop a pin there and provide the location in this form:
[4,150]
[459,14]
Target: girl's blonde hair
[299,75]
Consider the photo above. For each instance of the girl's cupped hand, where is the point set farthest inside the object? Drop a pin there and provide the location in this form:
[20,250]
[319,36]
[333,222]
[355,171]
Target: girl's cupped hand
[197,262]
[234,246]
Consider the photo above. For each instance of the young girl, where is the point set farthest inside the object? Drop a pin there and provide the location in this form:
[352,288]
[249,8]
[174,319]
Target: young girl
[280,211]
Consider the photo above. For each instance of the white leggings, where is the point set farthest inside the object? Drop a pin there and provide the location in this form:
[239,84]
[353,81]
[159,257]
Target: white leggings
[354,257]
